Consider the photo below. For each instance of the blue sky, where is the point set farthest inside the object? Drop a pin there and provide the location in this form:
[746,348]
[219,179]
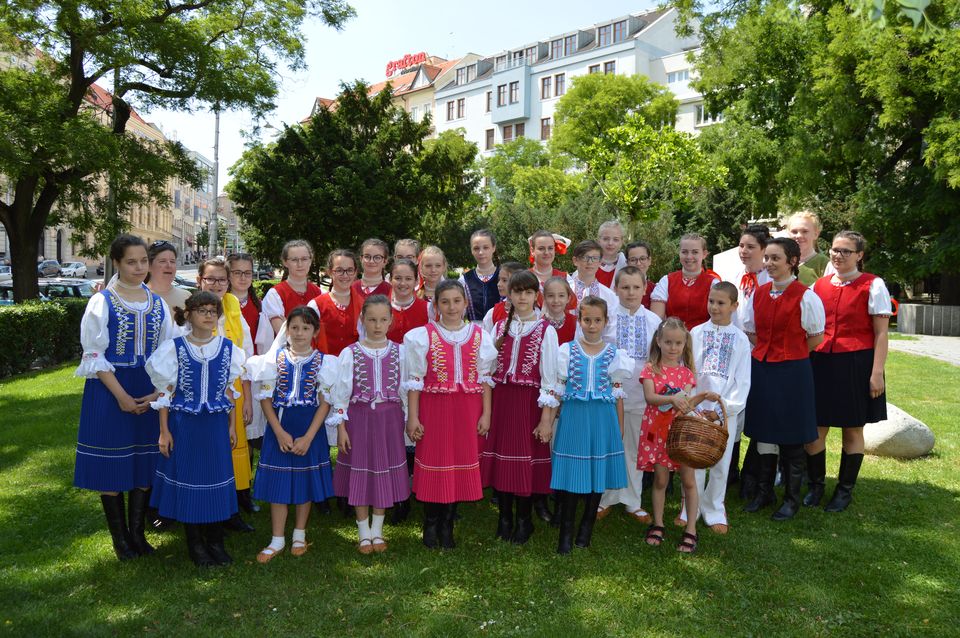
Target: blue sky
[385,30]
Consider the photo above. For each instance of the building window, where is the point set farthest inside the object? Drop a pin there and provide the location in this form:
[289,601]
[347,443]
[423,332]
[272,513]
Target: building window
[461,108]
[560,84]
[489,100]
[610,67]
[462,76]
[520,129]
[604,34]
[415,113]
[556,49]
[531,55]
[426,109]
[517,59]
[471,73]
[705,117]
[449,110]
[593,68]
[502,95]
[570,45]
[514,92]
[489,142]
[619,31]
[545,88]
[545,128]
[501,63]
[508,132]
[678,76]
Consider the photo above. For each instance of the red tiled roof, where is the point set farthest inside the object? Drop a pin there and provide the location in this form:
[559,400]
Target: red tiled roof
[102,98]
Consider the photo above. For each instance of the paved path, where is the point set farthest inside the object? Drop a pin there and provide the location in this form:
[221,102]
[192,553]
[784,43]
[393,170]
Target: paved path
[942,348]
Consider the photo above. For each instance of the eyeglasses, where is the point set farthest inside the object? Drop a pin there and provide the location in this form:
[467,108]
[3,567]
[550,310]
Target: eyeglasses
[841,252]
[344,271]
[204,312]
[373,258]
[300,260]
[214,281]
[589,259]
[243,274]
[633,261]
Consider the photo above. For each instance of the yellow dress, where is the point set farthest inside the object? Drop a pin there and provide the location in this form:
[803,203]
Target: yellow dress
[233,327]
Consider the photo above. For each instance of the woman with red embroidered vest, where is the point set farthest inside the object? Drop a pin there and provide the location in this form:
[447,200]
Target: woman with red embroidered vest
[848,365]
[409,311]
[449,363]
[339,309]
[500,309]
[544,247]
[684,293]
[295,290]
[516,460]
[556,300]
[784,321]
[374,254]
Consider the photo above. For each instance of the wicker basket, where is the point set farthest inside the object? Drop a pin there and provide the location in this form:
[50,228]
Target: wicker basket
[696,442]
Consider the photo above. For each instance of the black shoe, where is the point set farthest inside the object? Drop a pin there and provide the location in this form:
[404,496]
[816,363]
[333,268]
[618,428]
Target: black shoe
[766,468]
[524,527]
[847,479]
[541,508]
[555,519]
[816,475]
[505,522]
[567,507]
[196,547]
[344,506]
[136,515]
[215,548]
[445,528]
[431,521]
[400,512]
[794,469]
[113,509]
[323,507]
[246,502]
[585,532]
[237,524]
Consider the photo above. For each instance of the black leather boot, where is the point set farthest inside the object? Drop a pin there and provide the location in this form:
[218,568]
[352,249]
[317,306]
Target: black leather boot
[448,514]
[567,506]
[505,523]
[748,473]
[214,536]
[847,479]
[431,521]
[524,527]
[136,516]
[196,547]
[117,524]
[733,473]
[585,533]
[555,518]
[766,470]
[794,467]
[400,512]
[237,524]
[541,508]
[246,502]
[816,475]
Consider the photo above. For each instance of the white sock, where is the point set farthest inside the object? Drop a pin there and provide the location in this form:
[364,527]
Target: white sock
[364,529]
[299,535]
[376,530]
[277,543]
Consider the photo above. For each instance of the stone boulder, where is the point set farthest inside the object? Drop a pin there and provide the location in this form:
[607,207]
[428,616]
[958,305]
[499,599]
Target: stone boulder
[900,436]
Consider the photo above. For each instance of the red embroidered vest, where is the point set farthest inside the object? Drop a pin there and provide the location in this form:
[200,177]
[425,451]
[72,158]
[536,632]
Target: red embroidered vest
[849,324]
[452,367]
[689,303]
[405,320]
[527,370]
[292,299]
[780,335]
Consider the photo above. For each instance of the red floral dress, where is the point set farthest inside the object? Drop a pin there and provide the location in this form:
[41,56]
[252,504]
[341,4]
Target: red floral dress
[657,418]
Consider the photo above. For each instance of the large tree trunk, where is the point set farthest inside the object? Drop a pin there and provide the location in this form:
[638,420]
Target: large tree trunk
[25,222]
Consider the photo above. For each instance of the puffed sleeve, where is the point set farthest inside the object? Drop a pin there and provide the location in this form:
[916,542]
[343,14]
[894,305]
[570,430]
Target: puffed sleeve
[329,370]
[563,364]
[878,303]
[739,379]
[488,321]
[272,305]
[262,375]
[247,338]
[549,354]
[162,369]
[486,359]
[415,344]
[621,369]
[746,314]
[237,358]
[95,338]
[343,387]
[812,316]
[660,291]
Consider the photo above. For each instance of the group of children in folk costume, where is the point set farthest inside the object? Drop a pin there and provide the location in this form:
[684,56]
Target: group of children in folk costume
[618,374]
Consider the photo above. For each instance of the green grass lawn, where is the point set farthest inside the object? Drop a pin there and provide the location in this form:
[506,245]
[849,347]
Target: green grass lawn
[888,566]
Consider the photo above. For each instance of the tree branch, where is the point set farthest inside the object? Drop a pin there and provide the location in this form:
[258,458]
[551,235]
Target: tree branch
[173,9]
[182,94]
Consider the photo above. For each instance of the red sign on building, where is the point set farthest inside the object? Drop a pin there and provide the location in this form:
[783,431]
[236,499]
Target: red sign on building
[406,61]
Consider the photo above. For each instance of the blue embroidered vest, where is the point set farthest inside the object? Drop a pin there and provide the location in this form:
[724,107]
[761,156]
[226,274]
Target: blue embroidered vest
[202,383]
[134,334]
[297,381]
[589,377]
[481,295]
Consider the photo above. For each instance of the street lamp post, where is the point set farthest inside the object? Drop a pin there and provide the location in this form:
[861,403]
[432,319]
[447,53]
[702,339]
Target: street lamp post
[216,177]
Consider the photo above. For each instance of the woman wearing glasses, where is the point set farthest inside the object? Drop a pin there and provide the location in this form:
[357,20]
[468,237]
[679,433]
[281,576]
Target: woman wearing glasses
[848,365]
[338,309]
[640,256]
[374,254]
[163,268]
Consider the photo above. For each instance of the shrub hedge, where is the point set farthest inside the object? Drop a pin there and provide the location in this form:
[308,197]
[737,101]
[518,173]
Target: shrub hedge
[39,333]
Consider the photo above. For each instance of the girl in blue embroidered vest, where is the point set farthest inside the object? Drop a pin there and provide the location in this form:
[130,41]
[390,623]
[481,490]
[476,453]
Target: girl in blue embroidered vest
[516,461]
[481,283]
[194,481]
[588,450]
[668,377]
[374,254]
[292,383]
[117,438]
[371,467]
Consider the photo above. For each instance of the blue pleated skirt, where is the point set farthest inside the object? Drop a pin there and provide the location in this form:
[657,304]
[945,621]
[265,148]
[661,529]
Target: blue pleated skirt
[587,449]
[116,451]
[195,484]
[284,477]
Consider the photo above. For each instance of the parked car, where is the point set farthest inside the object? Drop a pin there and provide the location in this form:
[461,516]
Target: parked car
[265,272]
[183,282]
[74,269]
[100,269]
[48,268]
[54,288]
[6,273]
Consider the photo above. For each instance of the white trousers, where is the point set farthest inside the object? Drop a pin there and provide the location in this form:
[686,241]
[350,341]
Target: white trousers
[713,489]
[629,495]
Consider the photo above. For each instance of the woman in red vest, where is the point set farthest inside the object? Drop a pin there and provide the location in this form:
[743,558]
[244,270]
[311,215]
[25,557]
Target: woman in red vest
[848,365]
[295,290]
[784,320]
[339,309]
[684,293]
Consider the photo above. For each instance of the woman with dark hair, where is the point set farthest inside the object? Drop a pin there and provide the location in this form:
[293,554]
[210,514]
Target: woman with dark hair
[163,269]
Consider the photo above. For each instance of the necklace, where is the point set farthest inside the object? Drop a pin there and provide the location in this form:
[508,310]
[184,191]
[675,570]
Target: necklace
[592,343]
[125,286]
[300,354]
[454,329]
[200,342]
[375,344]
[403,305]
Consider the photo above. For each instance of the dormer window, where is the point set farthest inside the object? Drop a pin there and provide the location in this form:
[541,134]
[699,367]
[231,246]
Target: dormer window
[605,35]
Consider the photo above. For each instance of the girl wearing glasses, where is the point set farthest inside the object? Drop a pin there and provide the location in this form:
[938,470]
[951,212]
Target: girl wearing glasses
[338,309]
[295,289]
[374,254]
[584,282]
[683,293]
[848,365]
[640,257]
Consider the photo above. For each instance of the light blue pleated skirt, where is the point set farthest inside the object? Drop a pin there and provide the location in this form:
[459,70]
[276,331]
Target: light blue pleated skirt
[588,449]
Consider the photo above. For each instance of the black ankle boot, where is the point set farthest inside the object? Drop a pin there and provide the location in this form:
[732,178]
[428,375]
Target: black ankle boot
[541,509]
[567,506]
[524,527]
[246,502]
[136,516]
[214,536]
[431,521]
[237,524]
[400,512]
[505,523]
[448,514]
[344,506]
[196,547]
[793,470]
[766,470]
[846,480]
[733,473]
[816,475]
[117,524]
[585,533]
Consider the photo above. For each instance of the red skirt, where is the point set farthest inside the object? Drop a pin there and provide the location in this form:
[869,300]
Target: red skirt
[447,465]
[514,461]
